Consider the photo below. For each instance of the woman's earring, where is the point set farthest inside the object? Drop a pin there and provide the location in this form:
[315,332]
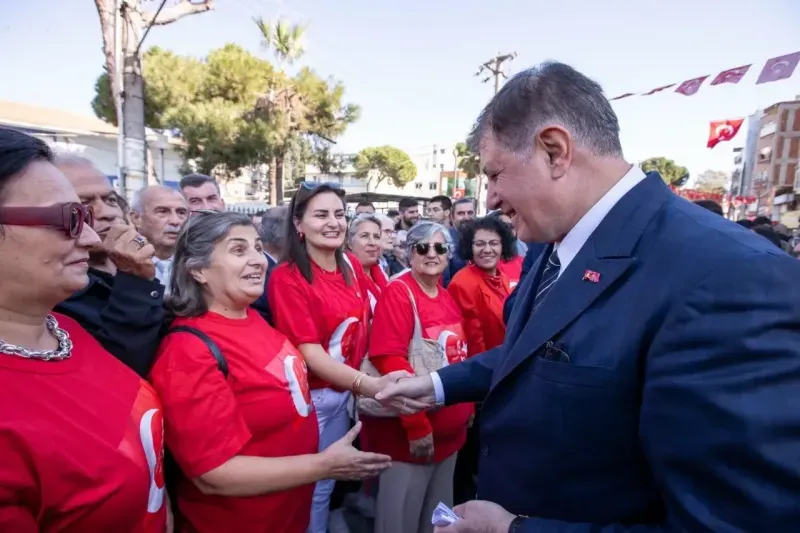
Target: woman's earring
[302,235]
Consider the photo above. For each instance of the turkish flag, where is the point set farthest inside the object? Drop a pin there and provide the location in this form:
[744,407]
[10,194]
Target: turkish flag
[620,97]
[658,89]
[779,68]
[723,130]
[690,87]
[733,75]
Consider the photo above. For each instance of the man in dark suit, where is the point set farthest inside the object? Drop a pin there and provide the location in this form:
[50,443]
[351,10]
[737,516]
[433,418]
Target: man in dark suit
[531,256]
[273,232]
[650,375]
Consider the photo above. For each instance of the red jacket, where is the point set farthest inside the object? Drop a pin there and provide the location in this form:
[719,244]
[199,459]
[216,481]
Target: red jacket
[480,297]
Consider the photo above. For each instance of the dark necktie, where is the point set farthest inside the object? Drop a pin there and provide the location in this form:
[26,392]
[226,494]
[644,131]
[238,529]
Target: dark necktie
[549,277]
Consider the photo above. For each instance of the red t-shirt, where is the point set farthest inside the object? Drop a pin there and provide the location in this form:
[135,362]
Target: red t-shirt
[263,409]
[327,312]
[374,284]
[512,269]
[81,444]
[392,330]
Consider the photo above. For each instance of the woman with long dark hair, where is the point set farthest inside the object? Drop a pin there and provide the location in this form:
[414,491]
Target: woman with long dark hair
[320,303]
[80,433]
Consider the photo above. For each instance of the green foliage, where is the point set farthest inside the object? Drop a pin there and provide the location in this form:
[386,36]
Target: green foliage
[468,162]
[714,181]
[671,172]
[283,38]
[234,111]
[379,163]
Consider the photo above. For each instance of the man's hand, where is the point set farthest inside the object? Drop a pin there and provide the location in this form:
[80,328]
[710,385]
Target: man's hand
[479,516]
[422,448]
[129,251]
[410,395]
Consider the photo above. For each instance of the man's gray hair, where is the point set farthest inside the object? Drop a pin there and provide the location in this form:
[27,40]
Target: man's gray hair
[273,227]
[549,93]
[193,251]
[357,221]
[422,232]
[137,203]
[73,160]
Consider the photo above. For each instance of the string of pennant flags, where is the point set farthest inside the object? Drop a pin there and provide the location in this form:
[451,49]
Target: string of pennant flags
[775,69]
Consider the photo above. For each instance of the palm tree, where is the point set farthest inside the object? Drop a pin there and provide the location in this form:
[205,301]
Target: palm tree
[286,42]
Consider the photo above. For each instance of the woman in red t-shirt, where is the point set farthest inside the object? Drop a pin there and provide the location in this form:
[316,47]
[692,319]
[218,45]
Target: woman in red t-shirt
[423,446]
[319,303]
[80,433]
[364,239]
[246,443]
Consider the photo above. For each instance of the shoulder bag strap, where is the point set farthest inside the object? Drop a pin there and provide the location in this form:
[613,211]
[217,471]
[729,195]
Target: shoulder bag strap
[417,323]
[222,364]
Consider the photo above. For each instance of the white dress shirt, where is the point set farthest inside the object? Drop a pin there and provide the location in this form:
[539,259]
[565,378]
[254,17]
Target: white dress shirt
[163,272]
[577,237]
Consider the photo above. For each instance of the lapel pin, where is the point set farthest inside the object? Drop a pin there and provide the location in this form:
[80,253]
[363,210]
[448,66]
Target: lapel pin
[591,275]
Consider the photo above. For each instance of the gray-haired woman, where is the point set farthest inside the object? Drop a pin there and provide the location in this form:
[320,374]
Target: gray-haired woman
[422,446]
[246,440]
[365,241]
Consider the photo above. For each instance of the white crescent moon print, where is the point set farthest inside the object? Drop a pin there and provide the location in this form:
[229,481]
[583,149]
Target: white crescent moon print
[154,458]
[296,380]
[335,348]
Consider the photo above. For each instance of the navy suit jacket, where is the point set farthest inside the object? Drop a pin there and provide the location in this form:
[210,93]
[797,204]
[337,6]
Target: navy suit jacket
[679,407]
[261,304]
[531,256]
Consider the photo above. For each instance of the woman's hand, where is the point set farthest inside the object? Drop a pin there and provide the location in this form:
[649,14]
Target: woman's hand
[344,462]
[422,448]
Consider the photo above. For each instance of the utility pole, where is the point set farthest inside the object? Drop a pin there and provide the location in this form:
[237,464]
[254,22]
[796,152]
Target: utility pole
[491,69]
[494,69]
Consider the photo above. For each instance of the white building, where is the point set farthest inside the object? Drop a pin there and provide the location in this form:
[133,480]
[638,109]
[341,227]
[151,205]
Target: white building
[92,138]
[435,164]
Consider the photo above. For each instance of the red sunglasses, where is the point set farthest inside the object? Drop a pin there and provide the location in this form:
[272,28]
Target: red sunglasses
[69,217]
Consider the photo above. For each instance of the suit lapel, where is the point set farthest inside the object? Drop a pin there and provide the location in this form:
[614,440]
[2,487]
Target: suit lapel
[524,299]
[608,252]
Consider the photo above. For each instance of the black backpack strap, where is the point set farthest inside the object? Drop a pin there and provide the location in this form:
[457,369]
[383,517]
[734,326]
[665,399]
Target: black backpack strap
[222,364]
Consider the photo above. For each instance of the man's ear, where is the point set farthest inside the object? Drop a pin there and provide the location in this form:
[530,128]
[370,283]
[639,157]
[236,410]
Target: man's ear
[556,144]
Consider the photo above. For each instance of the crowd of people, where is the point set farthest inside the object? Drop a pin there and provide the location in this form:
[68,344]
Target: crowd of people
[170,365]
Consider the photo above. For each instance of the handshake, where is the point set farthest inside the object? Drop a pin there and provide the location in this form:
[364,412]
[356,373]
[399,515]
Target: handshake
[406,393]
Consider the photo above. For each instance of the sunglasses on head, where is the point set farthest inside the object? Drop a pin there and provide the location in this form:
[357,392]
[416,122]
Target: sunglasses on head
[69,217]
[422,248]
[311,185]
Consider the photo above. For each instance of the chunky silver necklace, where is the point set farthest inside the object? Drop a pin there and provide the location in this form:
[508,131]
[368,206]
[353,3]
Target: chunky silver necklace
[64,350]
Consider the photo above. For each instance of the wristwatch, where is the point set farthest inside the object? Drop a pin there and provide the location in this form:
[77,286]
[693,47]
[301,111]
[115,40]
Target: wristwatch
[516,524]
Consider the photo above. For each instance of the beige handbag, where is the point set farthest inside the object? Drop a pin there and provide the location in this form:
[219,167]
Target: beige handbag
[425,356]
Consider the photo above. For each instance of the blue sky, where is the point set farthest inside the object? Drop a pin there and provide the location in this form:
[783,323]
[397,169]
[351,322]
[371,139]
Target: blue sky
[410,63]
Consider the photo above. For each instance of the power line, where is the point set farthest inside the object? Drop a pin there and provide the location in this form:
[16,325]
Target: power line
[494,69]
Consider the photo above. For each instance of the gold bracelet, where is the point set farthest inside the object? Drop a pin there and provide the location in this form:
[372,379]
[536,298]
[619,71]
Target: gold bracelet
[357,382]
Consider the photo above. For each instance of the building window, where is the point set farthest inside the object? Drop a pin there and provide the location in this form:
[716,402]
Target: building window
[441,167]
[433,186]
[418,186]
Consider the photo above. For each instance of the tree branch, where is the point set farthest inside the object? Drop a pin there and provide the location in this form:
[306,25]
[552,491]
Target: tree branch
[178,11]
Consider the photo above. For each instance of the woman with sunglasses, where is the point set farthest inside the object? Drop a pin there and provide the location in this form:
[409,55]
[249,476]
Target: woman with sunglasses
[80,434]
[319,302]
[422,446]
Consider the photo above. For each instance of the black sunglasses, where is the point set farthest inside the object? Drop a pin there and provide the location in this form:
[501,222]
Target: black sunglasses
[422,248]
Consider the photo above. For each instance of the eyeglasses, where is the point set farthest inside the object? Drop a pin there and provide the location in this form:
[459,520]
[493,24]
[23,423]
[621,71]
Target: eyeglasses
[69,217]
[422,248]
[482,244]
